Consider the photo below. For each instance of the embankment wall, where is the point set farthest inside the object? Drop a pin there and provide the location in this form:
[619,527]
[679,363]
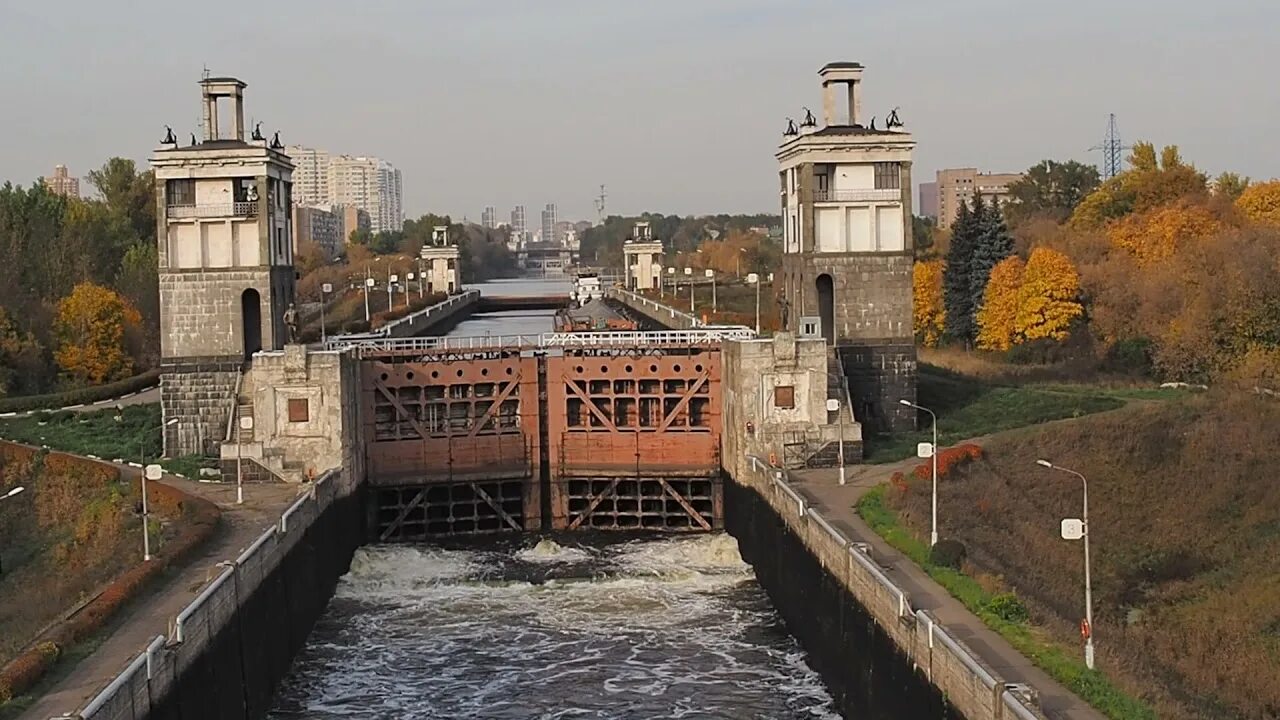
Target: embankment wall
[226,652]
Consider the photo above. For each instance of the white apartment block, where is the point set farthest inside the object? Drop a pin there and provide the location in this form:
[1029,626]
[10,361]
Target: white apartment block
[367,183]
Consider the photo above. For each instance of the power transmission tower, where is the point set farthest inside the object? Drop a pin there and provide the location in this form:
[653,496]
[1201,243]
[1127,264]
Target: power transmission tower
[600,206]
[1112,150]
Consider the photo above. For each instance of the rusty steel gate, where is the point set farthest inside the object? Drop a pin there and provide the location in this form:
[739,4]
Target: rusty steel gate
[516,439]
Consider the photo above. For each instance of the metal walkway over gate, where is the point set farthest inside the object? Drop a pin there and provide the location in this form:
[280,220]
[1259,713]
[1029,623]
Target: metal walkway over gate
[554,431]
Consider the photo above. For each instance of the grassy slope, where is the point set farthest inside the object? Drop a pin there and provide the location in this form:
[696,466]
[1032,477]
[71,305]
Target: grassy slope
[966,409]
[136,434]
[1185,521]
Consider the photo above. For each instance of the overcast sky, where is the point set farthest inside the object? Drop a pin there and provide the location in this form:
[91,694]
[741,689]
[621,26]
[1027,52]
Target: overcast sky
[676,105]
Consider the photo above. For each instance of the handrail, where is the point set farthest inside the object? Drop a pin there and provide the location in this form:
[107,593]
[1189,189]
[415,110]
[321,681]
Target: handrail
[707,335]
[95,704]
[646,302]
[190,609]
[831,530]
[448,302]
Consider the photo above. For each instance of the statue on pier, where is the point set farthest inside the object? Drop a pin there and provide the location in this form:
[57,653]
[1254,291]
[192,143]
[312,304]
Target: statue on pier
[784,310]
[291,325]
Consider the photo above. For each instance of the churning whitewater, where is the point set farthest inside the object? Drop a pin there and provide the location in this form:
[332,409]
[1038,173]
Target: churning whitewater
[654,628]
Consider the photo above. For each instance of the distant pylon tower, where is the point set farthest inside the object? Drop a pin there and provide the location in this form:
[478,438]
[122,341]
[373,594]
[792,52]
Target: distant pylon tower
[600,206]
[1112,150]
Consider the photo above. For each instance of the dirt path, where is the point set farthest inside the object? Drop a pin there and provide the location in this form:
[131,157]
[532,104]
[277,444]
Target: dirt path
[149,615]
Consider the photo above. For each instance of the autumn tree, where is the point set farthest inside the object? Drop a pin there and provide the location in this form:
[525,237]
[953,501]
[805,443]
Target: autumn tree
[1261,203]
[1049,300]
[1149,182]
[90,327]
[1000,305]
[1157,234]
[928,312]
[1229,185]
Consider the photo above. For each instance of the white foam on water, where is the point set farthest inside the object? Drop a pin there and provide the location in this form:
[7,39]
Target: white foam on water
[668,628]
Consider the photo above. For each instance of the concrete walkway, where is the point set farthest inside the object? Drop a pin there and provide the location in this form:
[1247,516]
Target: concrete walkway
[148,615]
[836,504]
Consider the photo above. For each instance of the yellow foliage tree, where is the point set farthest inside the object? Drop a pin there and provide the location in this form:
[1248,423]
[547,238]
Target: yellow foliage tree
[1147,184]
[1000,305]
[928,311]
[1048,301]
[1157,234]
[1261,203]
[90,327]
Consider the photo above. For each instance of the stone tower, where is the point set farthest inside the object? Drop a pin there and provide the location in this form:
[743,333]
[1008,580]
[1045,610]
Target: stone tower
[226,264]
[846,213]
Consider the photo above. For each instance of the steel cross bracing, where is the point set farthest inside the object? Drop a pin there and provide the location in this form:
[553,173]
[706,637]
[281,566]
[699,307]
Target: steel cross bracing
[661,338]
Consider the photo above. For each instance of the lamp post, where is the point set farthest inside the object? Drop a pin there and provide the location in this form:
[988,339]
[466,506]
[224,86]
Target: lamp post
[688,272]
[737,262]
[754,279]
[325,289]
[142,453]
[1075,531]
[712,274]
[368,283]
[391,281]
[933,453]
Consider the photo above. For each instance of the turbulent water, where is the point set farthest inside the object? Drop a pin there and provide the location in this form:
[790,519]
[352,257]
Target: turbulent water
[654,628]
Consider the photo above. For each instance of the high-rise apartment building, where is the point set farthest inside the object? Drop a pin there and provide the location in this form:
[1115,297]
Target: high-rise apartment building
[959,185]
[63,183]
[489,218]
[549,224]
[353,219]
[318,225]
[368,183]
[310,175]
[518,222]
[929,200]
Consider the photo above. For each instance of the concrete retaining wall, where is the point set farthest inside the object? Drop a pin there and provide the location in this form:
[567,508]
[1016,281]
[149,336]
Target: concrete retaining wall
[226,652]
[851,617]
[664,315]
[437,319]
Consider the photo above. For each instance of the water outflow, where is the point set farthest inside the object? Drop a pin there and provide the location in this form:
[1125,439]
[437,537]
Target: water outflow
[653,628]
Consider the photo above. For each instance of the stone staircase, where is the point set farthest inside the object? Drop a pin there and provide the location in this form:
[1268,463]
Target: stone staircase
[245,456]
[822,449]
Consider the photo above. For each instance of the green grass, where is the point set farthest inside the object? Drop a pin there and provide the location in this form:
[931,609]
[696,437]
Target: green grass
[1092,686]
[968,409]
[131,438]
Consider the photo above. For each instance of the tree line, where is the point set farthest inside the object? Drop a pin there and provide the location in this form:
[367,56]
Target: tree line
[79,297]
[1159,270]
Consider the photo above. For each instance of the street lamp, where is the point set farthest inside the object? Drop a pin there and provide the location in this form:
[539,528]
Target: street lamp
[737,261]
[368,283]
[1076,530]
[754,279]
[712,274]
[325,289]
[689,274]
[142,452]
[12,492]
[933,453]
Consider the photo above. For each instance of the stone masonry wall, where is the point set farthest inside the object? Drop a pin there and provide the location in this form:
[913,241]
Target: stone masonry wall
[199,392]
[873,327]
[201,313]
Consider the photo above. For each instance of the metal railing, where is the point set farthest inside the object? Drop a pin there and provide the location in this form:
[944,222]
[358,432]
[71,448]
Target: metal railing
[887,195]
[859,553]
[232,209]
[713,335]
[462,298]
[644,302]
[117,698]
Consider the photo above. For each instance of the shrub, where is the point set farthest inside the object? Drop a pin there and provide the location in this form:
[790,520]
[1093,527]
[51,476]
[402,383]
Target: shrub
[1007,607]
[948,553]
[82,396]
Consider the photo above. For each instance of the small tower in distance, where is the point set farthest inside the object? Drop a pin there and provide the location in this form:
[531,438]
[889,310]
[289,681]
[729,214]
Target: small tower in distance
[642,255]
[845,189]
[442,262]
[226,264]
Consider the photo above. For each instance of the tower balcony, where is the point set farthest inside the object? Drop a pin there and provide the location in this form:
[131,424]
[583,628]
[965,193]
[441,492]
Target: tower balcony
[886,195]
[221,210]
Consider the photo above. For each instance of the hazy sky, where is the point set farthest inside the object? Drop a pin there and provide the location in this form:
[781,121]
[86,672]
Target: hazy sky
[676,105]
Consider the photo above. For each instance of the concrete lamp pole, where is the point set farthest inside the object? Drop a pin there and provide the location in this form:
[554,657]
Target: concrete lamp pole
[737,262]
[754,279]
[325,289]
[1072,532]
[933,453]
[146,511]
[368,283]
[688,272]
[712,274]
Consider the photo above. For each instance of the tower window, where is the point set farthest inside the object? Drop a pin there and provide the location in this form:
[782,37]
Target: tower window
[181,193]
[888,176]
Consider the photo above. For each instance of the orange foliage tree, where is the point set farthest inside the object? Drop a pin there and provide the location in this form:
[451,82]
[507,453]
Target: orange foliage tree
[1048,301]
[1148,183]
[927,309]
[1157,234]
[90,327]
[1261,203]
[1000,305]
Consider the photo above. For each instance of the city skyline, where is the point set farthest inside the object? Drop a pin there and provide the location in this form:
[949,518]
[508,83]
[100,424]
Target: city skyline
[714,64]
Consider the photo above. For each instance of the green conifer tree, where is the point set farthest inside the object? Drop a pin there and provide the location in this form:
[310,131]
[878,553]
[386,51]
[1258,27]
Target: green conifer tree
[957,295]
[992,243]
